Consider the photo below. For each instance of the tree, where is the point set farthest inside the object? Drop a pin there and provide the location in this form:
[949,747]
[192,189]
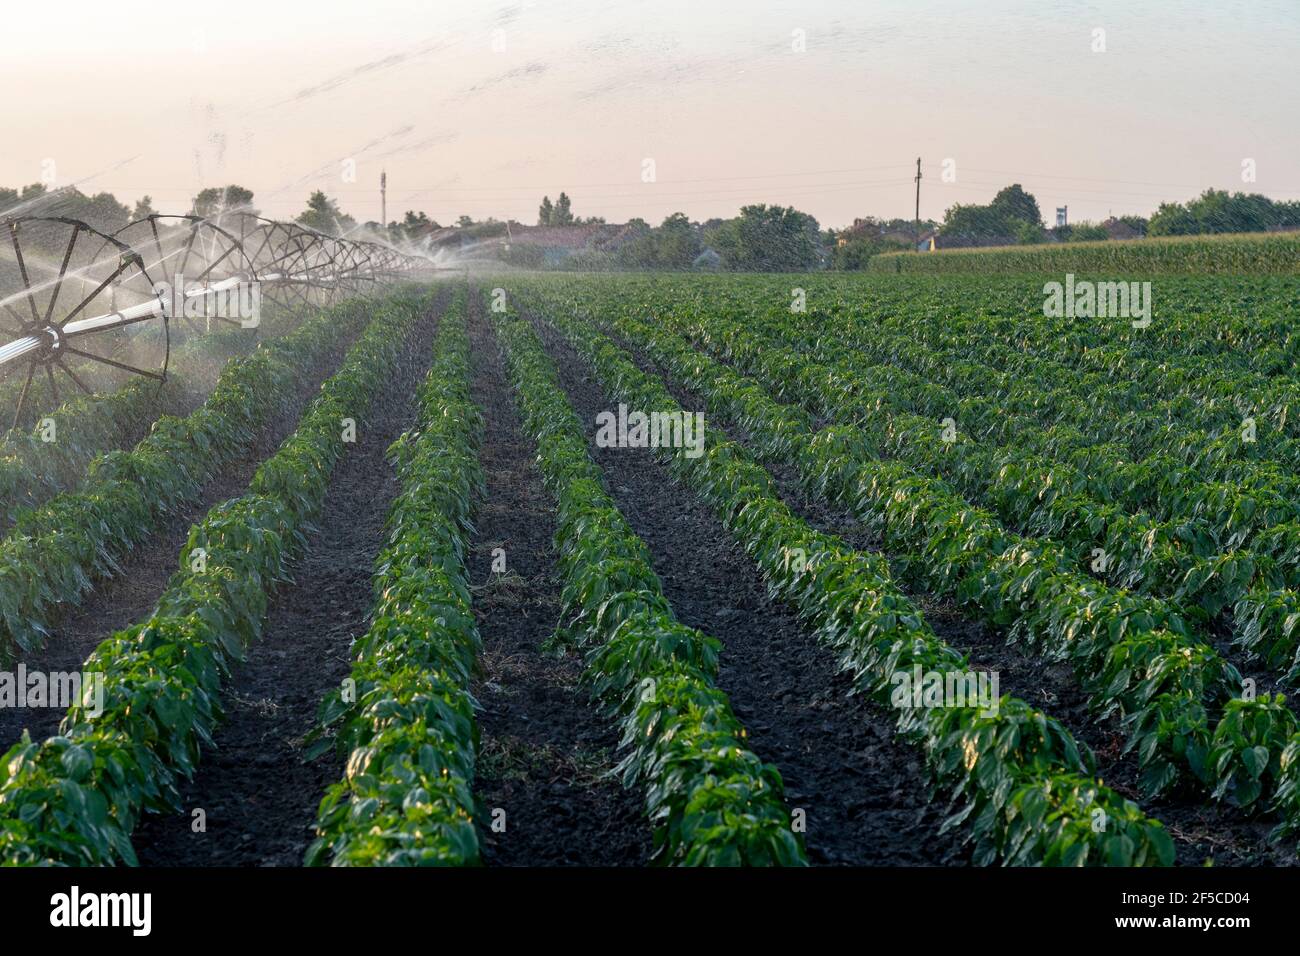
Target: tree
[143,208]
[563,213]
[677,243]
[1137,224]
[545,212]
[464,222]
[857,251]
[769,239]
[216,200]
[102,210]
[12,197]
[1029,233]
[1215,210]
[323,215]
[1013,215]
[1016,204]
[414,225]
[1081,232]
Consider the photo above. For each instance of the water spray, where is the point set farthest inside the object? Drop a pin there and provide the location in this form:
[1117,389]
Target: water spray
[70,293]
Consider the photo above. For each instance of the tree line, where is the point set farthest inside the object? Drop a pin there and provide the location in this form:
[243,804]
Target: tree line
[763,238]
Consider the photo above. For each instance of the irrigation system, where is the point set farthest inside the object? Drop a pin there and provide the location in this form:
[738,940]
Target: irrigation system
[71,294]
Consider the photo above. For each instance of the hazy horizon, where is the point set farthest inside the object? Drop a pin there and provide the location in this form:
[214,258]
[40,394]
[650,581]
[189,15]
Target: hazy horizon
[146,98]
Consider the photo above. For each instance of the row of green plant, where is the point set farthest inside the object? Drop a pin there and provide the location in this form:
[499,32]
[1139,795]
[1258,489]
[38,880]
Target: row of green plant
[1015,777]
[1213,329]
[38,464]
[54,553]
[711,801]
[74,798]
[1227,337]
[1135,656]
[1237,254]
[404,721]
[994,379]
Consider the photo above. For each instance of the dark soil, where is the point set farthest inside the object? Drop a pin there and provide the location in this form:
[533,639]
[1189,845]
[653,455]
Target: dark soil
[132,595]
[864,792]
[258,791]
[1200,830]
[546,754]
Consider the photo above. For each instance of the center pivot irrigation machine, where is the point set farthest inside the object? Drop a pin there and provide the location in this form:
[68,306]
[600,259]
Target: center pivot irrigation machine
[72,295]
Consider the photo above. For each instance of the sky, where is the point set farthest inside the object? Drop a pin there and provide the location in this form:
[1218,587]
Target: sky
[649,107]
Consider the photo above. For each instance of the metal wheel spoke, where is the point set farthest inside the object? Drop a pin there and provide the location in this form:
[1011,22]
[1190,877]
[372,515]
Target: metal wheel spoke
[215,262]
[116,364]
[22,269]
[22,324]
[63,271]
[189,247]
[79,383]
[90,298]
[54,386]
[22,396]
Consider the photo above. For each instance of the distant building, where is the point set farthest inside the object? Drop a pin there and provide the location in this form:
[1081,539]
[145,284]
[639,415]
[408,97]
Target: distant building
[1119,229]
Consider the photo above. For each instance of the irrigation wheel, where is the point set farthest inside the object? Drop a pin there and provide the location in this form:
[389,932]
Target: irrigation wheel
[67,300]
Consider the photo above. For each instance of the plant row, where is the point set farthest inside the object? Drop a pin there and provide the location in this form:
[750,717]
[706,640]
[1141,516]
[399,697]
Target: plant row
[405,719]
[1179,453]
[74,798]
[38,464]
[1148,374]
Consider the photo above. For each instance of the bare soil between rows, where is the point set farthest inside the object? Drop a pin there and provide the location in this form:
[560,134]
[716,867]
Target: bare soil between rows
[546,754]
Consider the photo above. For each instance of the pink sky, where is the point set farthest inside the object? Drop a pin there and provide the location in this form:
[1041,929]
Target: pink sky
[481,108]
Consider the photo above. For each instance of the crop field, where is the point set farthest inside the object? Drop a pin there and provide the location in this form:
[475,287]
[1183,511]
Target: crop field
[1239,254]
[538,570]
[663,471]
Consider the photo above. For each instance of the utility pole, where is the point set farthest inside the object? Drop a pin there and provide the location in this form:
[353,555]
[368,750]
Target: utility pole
[917,244]
[383,199]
